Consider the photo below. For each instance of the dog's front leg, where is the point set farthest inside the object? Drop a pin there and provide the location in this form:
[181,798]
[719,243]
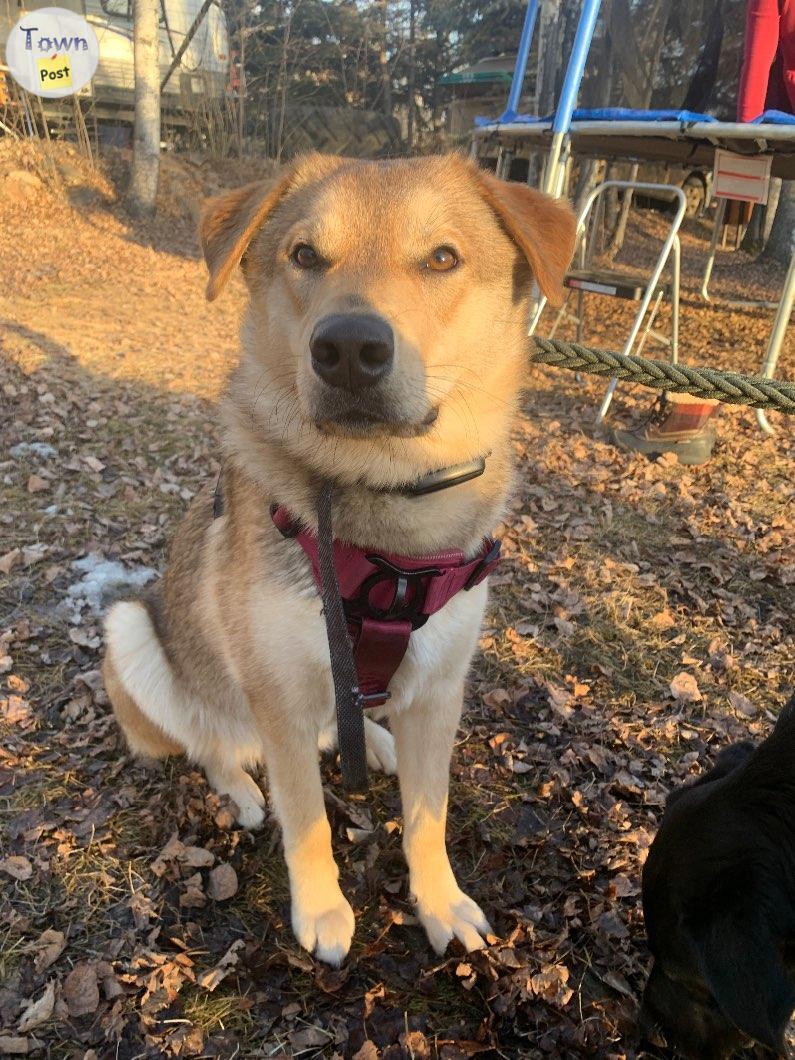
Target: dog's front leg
[321,916]
[424,735]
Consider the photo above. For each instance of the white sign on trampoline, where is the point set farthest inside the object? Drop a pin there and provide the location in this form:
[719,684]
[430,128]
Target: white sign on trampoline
[743,177]
[52,52]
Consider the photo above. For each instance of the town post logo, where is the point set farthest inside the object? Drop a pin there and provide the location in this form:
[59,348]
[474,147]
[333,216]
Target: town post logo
[52,52]
[55,69]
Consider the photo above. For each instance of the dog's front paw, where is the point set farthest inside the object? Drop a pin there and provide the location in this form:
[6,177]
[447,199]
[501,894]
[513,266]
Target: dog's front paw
[379,742]
[323,922]
[380,745]
[244,791]
[446,912]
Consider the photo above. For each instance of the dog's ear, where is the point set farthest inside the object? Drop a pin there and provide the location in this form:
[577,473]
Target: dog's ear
[229,222]
[543,228]
[743,967]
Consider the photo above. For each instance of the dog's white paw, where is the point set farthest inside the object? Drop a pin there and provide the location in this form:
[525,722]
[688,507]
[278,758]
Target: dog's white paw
[379,742]
[446,912]
[323,922]
[244,791]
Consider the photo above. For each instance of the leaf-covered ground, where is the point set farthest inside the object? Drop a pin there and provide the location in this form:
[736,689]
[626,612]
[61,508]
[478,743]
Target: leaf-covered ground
[643,618]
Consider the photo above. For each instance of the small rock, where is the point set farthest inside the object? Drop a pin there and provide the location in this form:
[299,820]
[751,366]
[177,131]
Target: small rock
[36,484]
[197,857]
[223,882]
[40,449]
[11,1046]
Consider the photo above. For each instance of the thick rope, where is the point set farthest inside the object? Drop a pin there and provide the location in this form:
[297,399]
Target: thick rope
[731,387]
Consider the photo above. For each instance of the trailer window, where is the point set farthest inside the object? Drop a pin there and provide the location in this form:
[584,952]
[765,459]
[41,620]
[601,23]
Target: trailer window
[117,8]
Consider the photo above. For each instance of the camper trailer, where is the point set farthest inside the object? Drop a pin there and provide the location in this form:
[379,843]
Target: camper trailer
[201,76]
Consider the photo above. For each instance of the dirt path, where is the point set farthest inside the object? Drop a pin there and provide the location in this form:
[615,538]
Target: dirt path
[620,575]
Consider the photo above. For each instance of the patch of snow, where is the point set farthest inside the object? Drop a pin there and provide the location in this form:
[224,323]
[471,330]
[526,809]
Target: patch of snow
[32,448]
[104,580]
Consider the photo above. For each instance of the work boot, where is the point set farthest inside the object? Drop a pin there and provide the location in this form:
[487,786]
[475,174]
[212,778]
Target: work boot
[677,423]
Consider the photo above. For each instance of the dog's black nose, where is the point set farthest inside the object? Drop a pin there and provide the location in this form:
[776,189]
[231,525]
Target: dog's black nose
[352,350]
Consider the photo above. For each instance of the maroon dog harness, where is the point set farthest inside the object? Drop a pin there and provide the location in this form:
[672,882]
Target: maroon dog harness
[386,597]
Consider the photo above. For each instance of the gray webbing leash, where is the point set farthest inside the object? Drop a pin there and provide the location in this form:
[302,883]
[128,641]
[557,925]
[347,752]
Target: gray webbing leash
[348,698]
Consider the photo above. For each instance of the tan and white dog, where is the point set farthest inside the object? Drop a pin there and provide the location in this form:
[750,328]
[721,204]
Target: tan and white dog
[385,338]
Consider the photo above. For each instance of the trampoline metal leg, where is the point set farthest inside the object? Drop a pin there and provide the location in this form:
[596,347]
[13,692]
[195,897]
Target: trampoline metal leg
[649,324]
[777,334]
[675,275]
[720,213]
[536,317]
[611,389]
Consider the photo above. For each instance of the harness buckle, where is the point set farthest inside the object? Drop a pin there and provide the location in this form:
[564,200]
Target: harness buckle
[284,523]
[364,699]
[485,565]
[409,599]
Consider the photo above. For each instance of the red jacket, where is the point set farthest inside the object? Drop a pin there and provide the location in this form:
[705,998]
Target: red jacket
[767,80]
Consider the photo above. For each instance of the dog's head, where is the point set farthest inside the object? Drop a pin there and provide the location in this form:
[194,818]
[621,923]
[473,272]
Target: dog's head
[388,300]
[718,914]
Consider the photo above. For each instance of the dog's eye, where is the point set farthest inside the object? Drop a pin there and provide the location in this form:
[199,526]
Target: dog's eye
[305,257]
[442,260]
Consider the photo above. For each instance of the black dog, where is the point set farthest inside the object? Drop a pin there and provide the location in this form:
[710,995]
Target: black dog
[719,903]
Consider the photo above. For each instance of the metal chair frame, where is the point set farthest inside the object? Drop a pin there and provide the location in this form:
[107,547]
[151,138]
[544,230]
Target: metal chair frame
[670,250]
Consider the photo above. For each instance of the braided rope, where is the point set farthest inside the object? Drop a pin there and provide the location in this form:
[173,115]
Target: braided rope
[731,387]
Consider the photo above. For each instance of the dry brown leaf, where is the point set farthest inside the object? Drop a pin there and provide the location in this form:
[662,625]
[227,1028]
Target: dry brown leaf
[551,984]
[742,704]
[10,560]
[213,977]
[559,700]
[193,897]
[81,990]
[17,866]
[38,1012]
[15,710]
[49,946]
[369,1051]
[684,688]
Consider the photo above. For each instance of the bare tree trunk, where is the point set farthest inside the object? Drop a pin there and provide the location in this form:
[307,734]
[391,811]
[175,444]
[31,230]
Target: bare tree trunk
[592,171]
[241,85]
[283,72]
[781,243]
[412,75]
[620,232]
[386,81]
[142,193]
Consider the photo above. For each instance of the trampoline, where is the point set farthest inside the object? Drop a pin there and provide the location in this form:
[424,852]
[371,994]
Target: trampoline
[676,137]
[680,137]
